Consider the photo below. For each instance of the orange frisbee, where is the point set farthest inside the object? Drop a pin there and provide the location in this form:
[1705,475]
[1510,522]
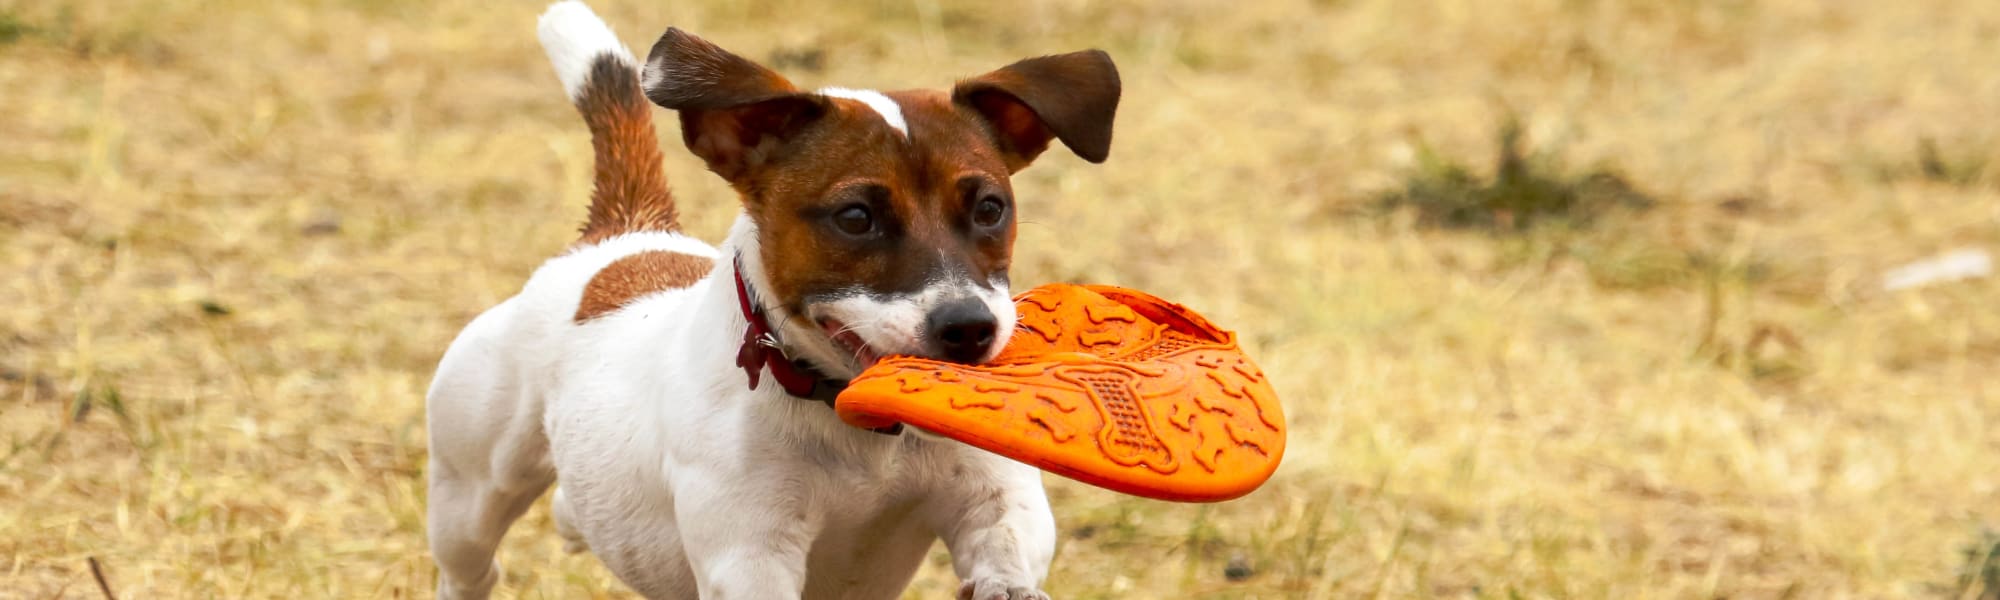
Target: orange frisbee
[1108,386]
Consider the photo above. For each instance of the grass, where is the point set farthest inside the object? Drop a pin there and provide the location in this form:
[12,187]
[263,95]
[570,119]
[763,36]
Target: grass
[235,237]
[1934,165]
[1525,190]
[11,28]
[1979,579]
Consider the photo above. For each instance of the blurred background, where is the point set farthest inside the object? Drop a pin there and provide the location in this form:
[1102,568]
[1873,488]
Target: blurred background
[1565,298]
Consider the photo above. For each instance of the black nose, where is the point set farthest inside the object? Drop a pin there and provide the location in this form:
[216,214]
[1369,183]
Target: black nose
[961,330]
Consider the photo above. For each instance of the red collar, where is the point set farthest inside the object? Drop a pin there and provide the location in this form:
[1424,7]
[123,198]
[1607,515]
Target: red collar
[760,350]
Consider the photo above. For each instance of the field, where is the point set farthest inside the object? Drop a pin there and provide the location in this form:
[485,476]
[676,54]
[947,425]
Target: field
[236,235]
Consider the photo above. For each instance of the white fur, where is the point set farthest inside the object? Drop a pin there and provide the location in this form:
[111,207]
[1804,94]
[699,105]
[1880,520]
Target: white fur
[895,324]
[683,480]
[891,112]
[1000,300]
[574,37]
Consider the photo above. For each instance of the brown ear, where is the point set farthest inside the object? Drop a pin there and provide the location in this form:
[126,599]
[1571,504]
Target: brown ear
[1071,97]
[733,112]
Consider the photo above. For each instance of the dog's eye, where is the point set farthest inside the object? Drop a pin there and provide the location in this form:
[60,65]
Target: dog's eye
[854,220]
[989,211]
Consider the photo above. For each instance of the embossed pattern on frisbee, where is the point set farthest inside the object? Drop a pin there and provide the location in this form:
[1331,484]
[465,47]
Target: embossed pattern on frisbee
[1108,386]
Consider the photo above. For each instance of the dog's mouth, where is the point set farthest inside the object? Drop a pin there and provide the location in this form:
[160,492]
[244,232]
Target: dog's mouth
[850,342]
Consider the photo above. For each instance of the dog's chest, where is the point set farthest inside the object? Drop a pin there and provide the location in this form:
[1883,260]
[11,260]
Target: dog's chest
[872,532]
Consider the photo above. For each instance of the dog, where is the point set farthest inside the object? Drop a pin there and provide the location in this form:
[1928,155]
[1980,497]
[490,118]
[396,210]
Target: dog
[678,395]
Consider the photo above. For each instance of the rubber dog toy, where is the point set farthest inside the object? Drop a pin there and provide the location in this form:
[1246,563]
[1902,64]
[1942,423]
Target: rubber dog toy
[1108,386]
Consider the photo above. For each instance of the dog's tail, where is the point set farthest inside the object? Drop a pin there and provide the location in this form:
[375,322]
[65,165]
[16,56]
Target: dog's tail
[630,192]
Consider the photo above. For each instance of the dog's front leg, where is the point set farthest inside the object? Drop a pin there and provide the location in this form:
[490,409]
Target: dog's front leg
[746,534]
[999,530]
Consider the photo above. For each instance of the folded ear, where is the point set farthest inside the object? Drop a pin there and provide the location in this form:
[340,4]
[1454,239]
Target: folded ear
[734,112]
[1071,97]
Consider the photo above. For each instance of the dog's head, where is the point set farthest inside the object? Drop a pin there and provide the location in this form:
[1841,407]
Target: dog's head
[884,221]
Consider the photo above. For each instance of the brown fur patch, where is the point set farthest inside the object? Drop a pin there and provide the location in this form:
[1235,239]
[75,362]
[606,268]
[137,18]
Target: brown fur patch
[1072,97]
[630,191]
[629,278]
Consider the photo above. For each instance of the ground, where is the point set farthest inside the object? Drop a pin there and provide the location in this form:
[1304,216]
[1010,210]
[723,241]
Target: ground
[236,235]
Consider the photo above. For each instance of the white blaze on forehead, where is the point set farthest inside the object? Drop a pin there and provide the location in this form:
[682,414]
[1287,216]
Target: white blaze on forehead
[890,111]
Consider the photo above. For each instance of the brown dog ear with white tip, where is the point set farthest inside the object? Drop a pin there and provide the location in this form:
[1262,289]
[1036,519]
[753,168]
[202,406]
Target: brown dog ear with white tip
[734,112]
[1071,97]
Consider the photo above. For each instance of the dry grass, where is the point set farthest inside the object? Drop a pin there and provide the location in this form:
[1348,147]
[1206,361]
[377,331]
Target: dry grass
[235,236]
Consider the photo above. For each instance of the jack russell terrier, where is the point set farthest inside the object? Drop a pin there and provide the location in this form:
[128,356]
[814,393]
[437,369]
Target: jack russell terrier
[679,393]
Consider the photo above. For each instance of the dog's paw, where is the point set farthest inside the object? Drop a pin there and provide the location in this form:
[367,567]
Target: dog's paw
[994,589]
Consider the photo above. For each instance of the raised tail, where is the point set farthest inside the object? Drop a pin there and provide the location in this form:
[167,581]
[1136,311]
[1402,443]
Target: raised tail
[629,191]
